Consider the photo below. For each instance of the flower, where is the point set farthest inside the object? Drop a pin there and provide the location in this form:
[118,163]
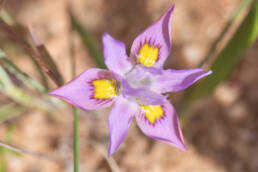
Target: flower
[135,85]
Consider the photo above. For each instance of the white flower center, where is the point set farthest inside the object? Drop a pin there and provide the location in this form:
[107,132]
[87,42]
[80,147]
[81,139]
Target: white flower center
[139,78]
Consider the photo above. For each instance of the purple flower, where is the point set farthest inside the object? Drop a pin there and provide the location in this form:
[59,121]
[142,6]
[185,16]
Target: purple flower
[135,85]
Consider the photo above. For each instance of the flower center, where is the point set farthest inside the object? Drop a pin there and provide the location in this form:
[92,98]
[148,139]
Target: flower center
[148,55]
[152,113]
[139,78]
[104,88]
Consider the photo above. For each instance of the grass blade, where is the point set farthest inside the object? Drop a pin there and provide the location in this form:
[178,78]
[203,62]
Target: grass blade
[89,42]
[2,162]
[5,80]
[6,17]
[22,151]
[36,60]
[226,60]
[19,74]
[9,111]
[45,56]
[243,5]
[21,97]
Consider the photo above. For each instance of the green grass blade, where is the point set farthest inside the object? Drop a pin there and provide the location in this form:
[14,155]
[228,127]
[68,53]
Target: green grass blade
[242,6]
[20,96]
[5,80]
[9,111]
[2,162]
[3,151]
[6,17]
[7,139]
[19,74]
[226,60]
[89,42]
[10,130]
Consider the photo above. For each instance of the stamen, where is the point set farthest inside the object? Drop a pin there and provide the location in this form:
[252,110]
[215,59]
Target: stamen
[148,55]
[152,113]
[104,88]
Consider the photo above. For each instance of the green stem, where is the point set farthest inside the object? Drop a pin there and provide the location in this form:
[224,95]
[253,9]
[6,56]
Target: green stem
[76,140]
[75,110]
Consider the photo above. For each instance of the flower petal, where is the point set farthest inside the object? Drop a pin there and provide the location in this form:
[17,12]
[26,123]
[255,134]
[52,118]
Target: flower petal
[152,47]
[115,55]
[119,122]
[161,123]
[93,89]
[176,80]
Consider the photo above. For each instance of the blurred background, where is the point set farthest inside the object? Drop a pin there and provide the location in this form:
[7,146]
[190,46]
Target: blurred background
[219,128]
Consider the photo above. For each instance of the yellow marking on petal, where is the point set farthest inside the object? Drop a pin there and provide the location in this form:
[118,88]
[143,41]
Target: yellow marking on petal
[104,88]
[152,113]
[148,55]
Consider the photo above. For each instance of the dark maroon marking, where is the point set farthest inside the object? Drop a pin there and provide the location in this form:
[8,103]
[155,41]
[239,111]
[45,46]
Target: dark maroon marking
[92,89]
[156,120]
[151,43]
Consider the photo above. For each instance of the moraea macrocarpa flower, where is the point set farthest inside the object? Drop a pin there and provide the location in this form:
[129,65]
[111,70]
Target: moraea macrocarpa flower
[135,85]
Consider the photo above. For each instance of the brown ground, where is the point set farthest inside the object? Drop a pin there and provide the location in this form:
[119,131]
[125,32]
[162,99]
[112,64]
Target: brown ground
[221,134]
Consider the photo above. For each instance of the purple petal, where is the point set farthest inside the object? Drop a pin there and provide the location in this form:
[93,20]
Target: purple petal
[176,80]
[115,55]
[119,122]
[165,128]
[80,90]
[158,35]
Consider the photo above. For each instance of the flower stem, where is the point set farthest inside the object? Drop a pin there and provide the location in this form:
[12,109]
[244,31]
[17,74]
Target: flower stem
[76,140]
[75,110]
